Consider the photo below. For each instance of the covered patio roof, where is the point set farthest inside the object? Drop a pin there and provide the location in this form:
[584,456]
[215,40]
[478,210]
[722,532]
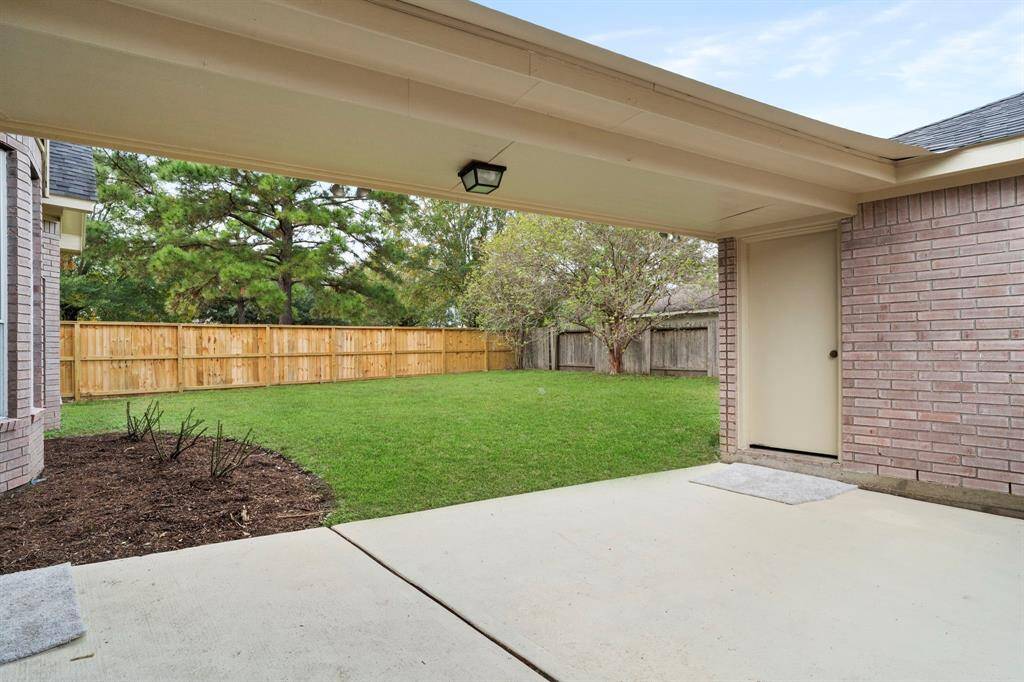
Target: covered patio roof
[399,95]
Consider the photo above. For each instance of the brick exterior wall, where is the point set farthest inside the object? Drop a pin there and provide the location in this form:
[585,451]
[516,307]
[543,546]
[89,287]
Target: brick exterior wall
[21,450]
[933,337]
[38,361]
[32,255]
[727,348]
[932,313]
[50,284]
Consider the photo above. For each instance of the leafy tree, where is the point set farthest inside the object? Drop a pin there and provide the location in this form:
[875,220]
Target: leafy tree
[602,278]
[251,245]
[446,245]
[516,288]
[111,279]
[615,276]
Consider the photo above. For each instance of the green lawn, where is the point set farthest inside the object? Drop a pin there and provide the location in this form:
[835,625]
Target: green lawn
[393,446]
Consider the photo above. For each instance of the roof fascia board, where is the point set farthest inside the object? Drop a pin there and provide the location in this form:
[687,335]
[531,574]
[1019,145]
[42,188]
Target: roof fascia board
[970,177]
[74,203]
[966,159]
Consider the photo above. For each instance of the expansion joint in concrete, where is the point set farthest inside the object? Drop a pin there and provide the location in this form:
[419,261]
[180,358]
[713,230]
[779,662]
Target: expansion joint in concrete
[447,607]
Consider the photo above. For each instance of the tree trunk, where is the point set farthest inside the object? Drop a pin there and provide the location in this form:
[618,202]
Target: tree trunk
[240,310]
[284,279]
[520,345]
[286,313]
[615,360]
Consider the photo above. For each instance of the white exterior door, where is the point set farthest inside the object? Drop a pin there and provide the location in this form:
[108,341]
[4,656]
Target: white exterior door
[791,375]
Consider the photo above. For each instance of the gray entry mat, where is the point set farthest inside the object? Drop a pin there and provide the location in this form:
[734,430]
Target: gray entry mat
[773,484]
[38,611]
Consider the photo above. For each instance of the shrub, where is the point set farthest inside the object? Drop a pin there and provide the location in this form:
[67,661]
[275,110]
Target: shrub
[189,434]
[225,457]
[140,427]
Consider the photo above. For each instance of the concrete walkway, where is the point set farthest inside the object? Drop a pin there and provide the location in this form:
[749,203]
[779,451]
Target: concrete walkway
[643,578]
[295,606]
[656,578]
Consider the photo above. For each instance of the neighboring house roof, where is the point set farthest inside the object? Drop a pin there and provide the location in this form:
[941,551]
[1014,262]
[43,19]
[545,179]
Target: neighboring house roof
[72,173]
[687,299]
[996,120]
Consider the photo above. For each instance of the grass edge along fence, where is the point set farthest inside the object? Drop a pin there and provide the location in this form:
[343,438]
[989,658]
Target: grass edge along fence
[100,359]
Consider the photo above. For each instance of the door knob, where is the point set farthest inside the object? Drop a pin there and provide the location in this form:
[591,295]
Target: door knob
[833,354]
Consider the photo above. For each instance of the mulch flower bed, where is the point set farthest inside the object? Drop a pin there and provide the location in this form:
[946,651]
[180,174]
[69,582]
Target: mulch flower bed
[106,497]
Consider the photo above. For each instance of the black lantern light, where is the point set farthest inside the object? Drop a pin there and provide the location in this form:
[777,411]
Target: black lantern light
[481,177]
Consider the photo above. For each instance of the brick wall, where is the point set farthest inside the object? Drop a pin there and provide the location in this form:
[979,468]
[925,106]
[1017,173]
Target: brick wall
[50,284]
[38,361]
[727,348]
[21,450]
[21,432]
[933,337]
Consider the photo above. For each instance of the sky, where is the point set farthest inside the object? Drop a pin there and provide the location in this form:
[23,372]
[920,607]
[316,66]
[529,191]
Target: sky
[876,67]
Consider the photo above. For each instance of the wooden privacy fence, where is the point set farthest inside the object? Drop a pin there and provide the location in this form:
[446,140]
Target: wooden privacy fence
[678,345]
[126,358]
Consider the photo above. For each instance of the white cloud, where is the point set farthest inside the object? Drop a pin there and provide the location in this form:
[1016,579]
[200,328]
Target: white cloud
[817,57]
[882,116]
[893,12]
[787,28]
[994,51]
[709,56]
[624,34]
[795,41]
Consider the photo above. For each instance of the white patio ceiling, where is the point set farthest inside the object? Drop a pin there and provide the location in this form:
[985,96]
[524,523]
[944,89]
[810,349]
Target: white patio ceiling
[399,96]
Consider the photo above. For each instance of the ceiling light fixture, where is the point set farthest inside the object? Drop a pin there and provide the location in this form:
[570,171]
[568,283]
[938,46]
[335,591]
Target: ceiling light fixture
[480,177]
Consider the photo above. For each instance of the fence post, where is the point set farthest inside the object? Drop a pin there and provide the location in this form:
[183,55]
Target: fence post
[335,359]
[181,363]
[394,353]
[487,353]
[77,361]
[648,350]
[444,351]
[266,352]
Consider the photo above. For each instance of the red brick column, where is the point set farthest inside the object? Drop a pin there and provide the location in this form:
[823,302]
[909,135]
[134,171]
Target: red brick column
[728,351]
[933,337]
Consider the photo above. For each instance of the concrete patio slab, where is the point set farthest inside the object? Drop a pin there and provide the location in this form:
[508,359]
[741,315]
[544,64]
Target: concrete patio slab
[304,605]
[652,577]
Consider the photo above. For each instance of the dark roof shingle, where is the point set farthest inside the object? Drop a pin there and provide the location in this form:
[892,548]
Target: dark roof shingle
[72,173]
[994,121]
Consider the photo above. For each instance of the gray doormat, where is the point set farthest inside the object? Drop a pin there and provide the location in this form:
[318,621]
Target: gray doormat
[773,484]
[38,611]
